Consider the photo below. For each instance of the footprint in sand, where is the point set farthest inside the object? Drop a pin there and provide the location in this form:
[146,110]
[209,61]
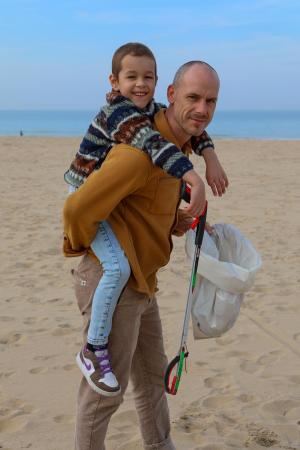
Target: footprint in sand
[217,381]
[249,367]
[7,318]
[12,424]
[6,375]
[64,419]
[15,416]
[69,367]
[295,379]
[216,401]
[12,338]
[296,337]
[62,330]
[269,358]
[280,407]
[37,370]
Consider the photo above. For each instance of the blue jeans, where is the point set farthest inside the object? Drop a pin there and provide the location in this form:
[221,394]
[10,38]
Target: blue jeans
[116,271]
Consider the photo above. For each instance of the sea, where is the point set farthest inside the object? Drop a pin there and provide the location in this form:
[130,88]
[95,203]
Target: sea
[278,125]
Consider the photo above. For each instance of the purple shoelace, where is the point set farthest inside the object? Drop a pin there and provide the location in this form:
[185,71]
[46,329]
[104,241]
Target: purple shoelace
[103,359]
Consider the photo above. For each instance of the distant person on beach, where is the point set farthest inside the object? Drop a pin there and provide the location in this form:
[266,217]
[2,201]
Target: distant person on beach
[21,133]
[128,119]
[140,202]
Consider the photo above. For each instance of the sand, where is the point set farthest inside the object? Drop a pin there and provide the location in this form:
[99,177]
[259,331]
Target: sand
[241,390]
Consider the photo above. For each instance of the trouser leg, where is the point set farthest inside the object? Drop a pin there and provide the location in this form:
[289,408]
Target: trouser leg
[147,374]
[93,410]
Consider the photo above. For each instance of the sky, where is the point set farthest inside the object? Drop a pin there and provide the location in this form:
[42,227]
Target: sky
[56,54]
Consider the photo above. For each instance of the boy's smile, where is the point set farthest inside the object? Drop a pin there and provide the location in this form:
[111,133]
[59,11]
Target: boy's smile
[136,79]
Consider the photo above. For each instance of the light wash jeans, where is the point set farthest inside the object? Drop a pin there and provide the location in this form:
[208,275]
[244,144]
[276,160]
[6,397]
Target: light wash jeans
[116,272]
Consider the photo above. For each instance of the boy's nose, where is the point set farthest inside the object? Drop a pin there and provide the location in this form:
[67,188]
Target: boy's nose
[140,82]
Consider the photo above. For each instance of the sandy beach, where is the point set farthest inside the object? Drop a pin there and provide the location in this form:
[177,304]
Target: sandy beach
[242,391]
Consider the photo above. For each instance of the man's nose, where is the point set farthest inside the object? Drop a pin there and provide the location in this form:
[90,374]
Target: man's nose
[202,107]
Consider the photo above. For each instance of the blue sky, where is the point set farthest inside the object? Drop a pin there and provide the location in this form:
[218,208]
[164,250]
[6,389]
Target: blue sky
[56,54]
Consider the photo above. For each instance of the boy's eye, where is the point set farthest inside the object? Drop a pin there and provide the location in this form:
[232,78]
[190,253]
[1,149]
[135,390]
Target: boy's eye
[150,77]
[131,77]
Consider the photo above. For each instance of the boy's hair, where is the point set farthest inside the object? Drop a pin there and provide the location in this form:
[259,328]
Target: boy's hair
[131,48]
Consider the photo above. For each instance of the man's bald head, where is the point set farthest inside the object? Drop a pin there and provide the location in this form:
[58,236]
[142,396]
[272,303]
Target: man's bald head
[185,67]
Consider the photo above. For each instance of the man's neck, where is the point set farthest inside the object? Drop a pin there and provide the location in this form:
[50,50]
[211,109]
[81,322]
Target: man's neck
[178,132]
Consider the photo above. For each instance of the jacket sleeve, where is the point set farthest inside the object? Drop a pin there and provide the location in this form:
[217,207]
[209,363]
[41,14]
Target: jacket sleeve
[124,171]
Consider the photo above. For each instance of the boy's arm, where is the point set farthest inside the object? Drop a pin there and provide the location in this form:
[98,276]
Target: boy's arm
[215,174]
[93,150]
[126,123]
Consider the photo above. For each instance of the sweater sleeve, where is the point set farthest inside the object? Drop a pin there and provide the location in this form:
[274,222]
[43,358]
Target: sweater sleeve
[200,143]
[125,123]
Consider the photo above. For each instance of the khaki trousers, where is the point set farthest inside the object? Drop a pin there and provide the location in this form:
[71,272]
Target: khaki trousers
[136,350]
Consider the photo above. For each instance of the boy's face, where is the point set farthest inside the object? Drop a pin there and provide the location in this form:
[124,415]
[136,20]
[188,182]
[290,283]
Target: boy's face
[136,79]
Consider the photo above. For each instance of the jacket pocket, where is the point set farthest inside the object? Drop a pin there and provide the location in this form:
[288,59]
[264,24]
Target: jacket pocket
[86,278]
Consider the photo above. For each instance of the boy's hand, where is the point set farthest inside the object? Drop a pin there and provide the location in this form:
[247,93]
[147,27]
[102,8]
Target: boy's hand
[215,174]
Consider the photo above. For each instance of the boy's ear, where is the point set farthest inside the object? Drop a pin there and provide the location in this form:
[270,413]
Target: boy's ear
[170,93]
[114,82]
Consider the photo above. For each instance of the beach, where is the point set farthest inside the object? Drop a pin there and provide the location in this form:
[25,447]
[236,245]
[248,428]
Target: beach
[241,391]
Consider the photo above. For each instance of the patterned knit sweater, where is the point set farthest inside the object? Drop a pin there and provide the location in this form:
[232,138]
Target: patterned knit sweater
[120,121]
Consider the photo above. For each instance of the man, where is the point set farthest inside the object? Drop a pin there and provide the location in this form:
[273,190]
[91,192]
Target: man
[140,201]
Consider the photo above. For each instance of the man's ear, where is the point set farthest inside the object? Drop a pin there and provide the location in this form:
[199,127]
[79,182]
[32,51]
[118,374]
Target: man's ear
[114,82]
[170,94]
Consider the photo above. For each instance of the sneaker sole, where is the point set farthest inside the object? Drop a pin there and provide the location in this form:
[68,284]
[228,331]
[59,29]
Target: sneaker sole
[90,382]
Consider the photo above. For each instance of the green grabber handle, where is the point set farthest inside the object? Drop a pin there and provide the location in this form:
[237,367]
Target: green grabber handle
[171,388]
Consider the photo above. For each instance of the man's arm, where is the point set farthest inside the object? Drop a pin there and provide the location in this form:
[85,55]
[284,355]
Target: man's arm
[124,171]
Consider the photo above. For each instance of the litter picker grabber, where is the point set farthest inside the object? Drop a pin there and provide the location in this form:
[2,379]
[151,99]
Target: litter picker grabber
[172,384]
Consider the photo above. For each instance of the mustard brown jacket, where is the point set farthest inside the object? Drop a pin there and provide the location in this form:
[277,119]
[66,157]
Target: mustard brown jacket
[138,199]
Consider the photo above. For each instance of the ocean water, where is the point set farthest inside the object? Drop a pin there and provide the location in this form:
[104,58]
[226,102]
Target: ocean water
[226,124]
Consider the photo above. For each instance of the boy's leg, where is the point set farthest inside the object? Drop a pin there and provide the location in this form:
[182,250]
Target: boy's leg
[94,410]
[147,374]
[116,271]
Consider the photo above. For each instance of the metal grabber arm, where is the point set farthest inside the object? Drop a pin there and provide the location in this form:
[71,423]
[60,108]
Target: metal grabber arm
[172,383]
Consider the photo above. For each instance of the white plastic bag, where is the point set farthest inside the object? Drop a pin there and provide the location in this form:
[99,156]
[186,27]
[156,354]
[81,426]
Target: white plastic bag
[227,266]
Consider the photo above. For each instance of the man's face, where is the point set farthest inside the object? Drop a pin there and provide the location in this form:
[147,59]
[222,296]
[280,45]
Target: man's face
[193,101]
[136,79]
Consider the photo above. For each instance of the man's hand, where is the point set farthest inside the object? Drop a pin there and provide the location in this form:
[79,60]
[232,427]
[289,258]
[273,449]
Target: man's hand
[184,222]
[215,174]
[197,200]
